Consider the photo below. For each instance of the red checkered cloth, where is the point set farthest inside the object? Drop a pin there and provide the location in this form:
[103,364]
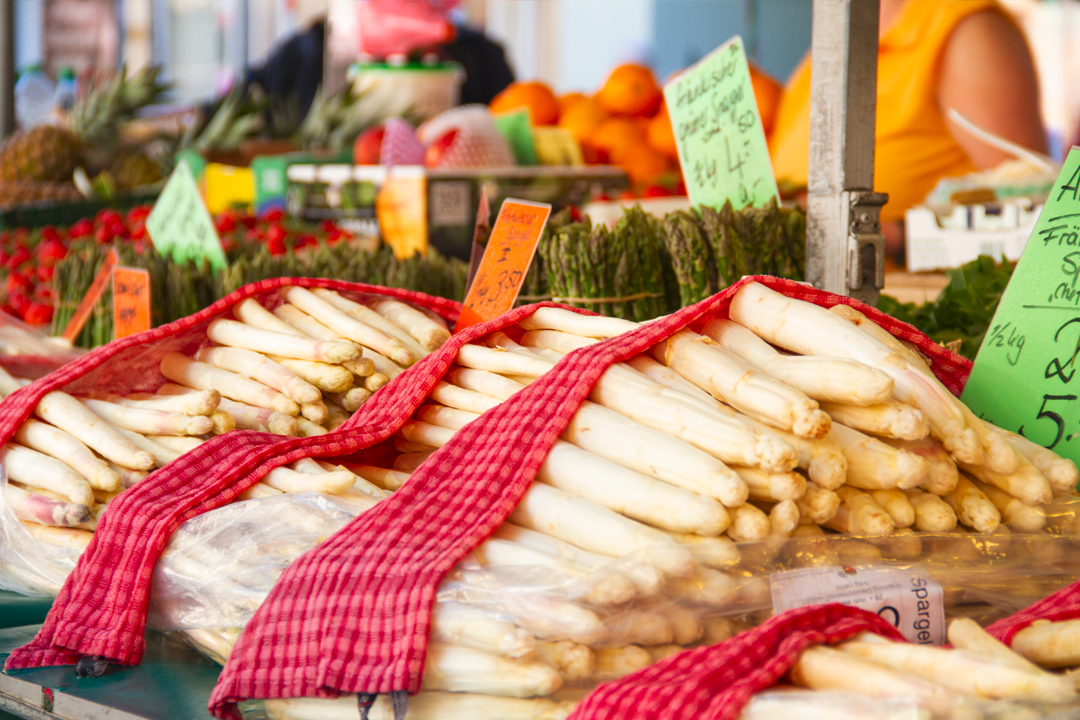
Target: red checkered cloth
[716,682]
[353,615]
[1062,605]
[101,609]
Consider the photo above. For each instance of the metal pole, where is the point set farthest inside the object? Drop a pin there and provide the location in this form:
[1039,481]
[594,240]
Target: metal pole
[844,246]
[7,68]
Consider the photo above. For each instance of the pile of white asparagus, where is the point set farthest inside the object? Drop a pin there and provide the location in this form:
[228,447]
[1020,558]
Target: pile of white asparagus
[689,468]
[301,369]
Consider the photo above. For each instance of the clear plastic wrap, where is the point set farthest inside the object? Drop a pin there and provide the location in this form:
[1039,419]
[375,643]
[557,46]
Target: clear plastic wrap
[787,703]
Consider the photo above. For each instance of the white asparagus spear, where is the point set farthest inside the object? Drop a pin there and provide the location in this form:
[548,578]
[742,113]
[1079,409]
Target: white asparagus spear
[896,503]
[463,399]
[568,321]
[36,470]
[587,476]
[203,402]
[459,669]
[178,443]
[639,627]
[246,417]
[1050,644]
[201,376]
[1026,484]
[783,519]
[932,514]
[748,524]
[1060,472]
[223,422]
[597,529]
[860,515]
[383,364]
[312,328]
[807,329]
[716,552]
[457,624]
[889,419]
[373,319]
[836,380]
[729,378]
[352,400]
[43,510]
[56,443]
[427,332]
[772,487]
[822,668]
[943,473]
[326,377]
[965,672]
[620,440]
[309,429]
[408,462]
[966,634]
[873,465]
[359,483]
[574,662]
[614,663]
[150,422]
[631,394]
[257,491]
[1017,515]
[315,412]
[162,455]
[375,381]
[972,507]
[338,416]
[998,455]
[291,481]
[422,706]
[236,334]
[386,479]
[129,477]
[258,367]
[818,505]
[348,326]
[251,312]
[61,537]
[685,624]
[65,412]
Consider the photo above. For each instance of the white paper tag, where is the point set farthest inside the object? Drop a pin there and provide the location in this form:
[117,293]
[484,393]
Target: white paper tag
[910,601]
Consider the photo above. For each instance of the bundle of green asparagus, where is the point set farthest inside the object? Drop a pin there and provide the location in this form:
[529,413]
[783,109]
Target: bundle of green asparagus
[181,289]
[647,267]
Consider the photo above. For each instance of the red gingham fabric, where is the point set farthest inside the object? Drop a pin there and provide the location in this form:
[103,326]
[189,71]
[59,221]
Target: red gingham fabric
[716,681]
[101,609]
[353,614]
[1062,605]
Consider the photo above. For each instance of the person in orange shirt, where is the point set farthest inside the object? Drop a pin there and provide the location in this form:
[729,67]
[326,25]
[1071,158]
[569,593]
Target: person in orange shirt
[933,55]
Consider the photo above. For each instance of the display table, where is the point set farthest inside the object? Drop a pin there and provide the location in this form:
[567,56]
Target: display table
[172,683]
[16,610]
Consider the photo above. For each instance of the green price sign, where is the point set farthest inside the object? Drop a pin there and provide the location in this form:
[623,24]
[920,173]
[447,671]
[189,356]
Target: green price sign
[1025,376]
[180,225]
[718,131]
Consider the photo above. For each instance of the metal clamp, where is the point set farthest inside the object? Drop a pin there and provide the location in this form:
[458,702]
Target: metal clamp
[866,244]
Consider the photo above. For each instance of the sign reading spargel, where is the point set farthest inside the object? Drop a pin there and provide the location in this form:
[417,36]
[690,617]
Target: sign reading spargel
[180,225]
[909,601]
[722,148]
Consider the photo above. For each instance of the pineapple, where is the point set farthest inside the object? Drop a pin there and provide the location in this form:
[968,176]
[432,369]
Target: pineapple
[41,154]
[133,168]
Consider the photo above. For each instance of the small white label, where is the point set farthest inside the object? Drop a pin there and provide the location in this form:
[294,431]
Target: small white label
[906,599]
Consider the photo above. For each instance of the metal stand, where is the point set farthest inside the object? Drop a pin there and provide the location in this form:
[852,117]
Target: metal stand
[845,250]
[7,68]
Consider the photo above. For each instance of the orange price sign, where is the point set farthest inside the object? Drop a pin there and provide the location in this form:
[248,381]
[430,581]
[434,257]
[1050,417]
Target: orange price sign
[131,301]
[506,261]
[82,313]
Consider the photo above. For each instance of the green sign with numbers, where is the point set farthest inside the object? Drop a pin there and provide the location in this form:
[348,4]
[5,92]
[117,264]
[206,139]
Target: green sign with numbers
[1025,376]
[722,148]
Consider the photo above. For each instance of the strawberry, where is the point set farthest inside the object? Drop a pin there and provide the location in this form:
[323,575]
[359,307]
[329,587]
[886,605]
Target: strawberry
[18,283]
[275,215]
[17,303]
[17,258]
[80,229]
[37,313]
[44,273]
[276,245]
[50,252]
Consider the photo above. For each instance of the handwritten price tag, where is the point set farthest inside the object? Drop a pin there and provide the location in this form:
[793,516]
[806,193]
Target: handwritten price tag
[1024,377]
[506,261]
[131,301]
[718,131]
[93,294]
[180,225]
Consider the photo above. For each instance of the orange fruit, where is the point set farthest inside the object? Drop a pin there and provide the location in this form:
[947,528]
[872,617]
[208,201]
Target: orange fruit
[767,92]
[630,90]
[612,138]
[643,165]
[582,118]
[662,135]
[565,101]
[535,97]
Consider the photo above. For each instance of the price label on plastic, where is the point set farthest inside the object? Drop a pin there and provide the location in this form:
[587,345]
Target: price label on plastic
[1025,376]
[911,602]
[506,261]
[722,148]
[131,301]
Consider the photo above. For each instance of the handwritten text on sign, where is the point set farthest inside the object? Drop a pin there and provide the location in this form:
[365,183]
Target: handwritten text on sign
[1024,377]
[718,131]
[506,261]
[131,301]
[180,225]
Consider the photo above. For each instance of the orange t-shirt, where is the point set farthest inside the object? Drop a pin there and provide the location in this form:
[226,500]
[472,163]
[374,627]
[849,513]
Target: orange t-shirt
[914,148]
